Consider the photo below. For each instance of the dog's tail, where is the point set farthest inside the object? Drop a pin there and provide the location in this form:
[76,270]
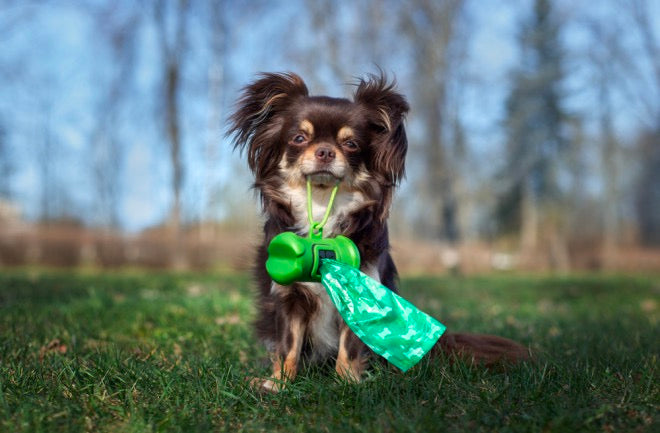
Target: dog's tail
[487,350]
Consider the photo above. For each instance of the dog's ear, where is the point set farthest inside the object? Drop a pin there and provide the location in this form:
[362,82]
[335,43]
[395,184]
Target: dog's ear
[256,125]
[386,110]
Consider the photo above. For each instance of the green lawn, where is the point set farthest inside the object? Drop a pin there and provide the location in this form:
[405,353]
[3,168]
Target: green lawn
[170,352]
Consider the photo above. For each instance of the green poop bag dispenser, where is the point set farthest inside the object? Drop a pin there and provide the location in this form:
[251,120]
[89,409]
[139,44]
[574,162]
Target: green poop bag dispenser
[294,258]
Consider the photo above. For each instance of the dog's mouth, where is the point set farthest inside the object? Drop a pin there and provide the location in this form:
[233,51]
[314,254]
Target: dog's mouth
[323,178]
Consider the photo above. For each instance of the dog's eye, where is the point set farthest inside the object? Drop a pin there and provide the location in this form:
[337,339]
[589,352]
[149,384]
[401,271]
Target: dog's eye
[299,139]
[351,145]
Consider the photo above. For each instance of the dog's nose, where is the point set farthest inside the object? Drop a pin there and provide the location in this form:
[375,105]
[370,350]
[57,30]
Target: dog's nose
[324,154]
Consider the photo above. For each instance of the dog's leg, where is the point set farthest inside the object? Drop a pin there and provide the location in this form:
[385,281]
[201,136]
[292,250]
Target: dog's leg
[353,355]
[285,359]
[351,359]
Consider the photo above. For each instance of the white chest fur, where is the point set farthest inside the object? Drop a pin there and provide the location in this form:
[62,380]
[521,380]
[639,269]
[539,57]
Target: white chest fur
[322,329]
[345,203]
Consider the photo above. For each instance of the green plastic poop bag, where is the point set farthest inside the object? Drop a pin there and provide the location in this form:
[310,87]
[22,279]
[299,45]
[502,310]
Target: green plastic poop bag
[391,326]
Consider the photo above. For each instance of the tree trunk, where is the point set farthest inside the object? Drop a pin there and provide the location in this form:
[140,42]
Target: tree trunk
[529,218]
[172,50]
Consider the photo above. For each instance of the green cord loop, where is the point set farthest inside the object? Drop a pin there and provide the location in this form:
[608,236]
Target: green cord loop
[316,228]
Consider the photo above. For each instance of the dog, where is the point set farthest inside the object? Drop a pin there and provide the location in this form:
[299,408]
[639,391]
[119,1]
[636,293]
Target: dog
[359,144]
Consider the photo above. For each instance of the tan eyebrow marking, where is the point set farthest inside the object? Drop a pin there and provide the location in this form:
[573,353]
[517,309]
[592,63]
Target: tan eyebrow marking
[345,133]
[307,127]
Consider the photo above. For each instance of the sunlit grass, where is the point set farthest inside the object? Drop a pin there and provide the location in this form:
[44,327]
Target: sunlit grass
[171,352]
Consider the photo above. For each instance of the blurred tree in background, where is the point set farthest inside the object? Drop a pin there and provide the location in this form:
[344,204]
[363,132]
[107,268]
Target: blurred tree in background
[432,28]
[648,187]
[537,136]
[117,34]
[172,41]
[5,164]
[534,130]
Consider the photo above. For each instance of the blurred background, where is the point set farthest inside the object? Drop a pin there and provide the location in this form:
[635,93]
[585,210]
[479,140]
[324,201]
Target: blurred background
[534,127]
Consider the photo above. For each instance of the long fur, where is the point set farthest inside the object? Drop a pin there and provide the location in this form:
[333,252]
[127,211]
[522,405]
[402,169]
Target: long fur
[288,135]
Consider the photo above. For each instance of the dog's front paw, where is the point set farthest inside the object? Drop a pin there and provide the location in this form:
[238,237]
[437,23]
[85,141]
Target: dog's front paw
[270,385]
[350,370]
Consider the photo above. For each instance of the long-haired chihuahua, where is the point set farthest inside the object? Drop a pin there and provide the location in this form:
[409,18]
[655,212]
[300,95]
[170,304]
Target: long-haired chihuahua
[290,136]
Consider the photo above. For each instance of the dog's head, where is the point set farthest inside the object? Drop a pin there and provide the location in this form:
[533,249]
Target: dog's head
[290,135]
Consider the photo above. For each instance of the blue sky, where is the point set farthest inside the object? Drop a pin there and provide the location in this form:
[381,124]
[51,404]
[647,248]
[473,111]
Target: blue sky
[54,63]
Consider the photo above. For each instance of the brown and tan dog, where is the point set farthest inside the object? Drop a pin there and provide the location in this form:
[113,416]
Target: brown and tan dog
[288,136]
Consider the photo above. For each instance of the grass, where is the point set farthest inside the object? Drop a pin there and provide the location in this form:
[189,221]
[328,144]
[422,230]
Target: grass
[170,352]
